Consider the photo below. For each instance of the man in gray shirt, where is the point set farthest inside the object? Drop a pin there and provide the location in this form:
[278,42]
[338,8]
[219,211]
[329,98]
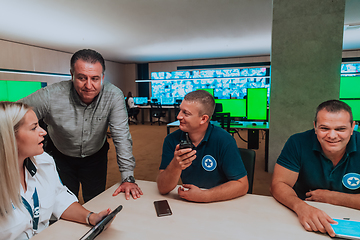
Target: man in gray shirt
[78,113]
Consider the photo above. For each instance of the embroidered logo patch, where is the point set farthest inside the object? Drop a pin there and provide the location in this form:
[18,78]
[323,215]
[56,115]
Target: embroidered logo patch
[208,163]
[351,181]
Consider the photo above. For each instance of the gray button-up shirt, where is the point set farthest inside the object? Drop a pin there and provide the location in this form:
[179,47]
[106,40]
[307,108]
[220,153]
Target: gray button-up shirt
[79,130]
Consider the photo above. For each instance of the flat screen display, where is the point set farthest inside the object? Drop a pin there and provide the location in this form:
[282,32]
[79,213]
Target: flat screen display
[257,104]
[15,90]
[236,107]
[154,99]
[140,100]
[355,108]
[349,87]
[167,101]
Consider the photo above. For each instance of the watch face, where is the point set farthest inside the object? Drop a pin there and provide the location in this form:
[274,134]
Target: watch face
[129,179]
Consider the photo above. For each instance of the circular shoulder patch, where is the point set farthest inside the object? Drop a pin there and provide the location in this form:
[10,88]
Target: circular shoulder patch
[351,181]
[208,163]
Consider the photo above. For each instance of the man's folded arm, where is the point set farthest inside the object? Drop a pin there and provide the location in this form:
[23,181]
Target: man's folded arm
[168,179]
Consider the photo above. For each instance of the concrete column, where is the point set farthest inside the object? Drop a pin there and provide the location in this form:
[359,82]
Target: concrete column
[305,65]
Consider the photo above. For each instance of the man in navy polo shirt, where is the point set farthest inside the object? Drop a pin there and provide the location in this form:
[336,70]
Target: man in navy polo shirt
[212,170]
[322,165]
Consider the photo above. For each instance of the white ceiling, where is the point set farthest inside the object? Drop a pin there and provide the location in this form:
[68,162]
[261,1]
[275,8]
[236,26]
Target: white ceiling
[133,31]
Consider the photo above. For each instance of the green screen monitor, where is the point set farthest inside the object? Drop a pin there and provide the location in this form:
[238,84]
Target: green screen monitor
[15,90]
[209,90]
[355,108]
[257,104]
[236,107]
[3,91]
[349,87]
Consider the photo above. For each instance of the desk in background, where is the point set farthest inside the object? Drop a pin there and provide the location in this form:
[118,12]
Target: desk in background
[253,130]
[148,107]
[247,217]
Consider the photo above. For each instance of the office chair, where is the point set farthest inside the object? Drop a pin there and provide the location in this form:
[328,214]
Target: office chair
[224,119]
[177,107]
[218,109]
[248,158]
[157,111]
[132,114]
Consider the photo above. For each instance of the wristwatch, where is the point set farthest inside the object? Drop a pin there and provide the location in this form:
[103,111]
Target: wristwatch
[129,179]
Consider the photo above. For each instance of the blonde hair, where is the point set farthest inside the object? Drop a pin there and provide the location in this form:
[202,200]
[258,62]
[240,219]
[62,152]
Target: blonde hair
[11,118]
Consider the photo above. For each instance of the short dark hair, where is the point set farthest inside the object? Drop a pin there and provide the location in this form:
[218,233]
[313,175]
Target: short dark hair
[334,106]
[205,99]
[87,55]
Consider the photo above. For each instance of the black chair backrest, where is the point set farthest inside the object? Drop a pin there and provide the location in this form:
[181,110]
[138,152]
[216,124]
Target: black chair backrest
[224,119]
[218,109]
[248,158]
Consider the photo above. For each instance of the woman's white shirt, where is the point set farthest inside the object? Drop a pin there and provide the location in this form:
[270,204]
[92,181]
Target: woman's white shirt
[131,103]
[54,198]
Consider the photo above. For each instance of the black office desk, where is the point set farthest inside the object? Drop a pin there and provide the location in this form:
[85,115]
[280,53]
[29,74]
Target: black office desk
[244,125]
[148,107]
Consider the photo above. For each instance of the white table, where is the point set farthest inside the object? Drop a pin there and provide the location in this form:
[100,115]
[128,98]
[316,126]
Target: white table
[247,217]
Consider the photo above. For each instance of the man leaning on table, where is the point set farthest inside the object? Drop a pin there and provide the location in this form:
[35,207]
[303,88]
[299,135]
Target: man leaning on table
[210,171]
[321,165]
[78,113]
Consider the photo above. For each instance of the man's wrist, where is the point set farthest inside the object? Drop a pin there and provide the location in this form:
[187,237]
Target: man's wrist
[129,179]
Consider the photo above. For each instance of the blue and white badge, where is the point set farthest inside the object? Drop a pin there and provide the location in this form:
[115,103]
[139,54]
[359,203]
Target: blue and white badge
[351,181]
[208,163]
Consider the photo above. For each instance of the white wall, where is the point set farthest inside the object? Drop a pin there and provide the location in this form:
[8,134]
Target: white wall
[18,56]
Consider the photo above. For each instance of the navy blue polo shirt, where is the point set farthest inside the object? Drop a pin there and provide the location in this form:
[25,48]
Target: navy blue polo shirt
[303,154]
[217,160]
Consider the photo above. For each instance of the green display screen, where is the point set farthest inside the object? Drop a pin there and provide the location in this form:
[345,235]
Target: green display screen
[349,87]
[209,90]
[355,108]
[236,107]
[15,90]
[257,104]
[3,91]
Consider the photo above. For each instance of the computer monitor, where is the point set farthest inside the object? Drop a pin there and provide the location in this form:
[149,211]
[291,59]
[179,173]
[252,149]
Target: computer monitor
[355,108]
[236,107]
[154,99]
[141,101]
[349,87]
[256,104]
[15,90]
[178,100]
[167,101]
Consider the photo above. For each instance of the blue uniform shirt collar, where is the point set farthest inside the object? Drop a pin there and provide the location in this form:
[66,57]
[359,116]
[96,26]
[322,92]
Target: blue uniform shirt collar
[30,166]
[350,147]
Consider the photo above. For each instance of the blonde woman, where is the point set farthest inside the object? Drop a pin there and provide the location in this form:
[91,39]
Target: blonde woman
[30,189]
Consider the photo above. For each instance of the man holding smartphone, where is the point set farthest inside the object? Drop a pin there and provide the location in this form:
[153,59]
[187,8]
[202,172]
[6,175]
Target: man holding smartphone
[211,170]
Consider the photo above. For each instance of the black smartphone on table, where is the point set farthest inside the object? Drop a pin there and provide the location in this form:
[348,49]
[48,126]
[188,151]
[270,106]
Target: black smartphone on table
[162,208]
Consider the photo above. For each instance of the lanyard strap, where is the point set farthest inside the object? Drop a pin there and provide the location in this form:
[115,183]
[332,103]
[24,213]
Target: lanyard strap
[33,213]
